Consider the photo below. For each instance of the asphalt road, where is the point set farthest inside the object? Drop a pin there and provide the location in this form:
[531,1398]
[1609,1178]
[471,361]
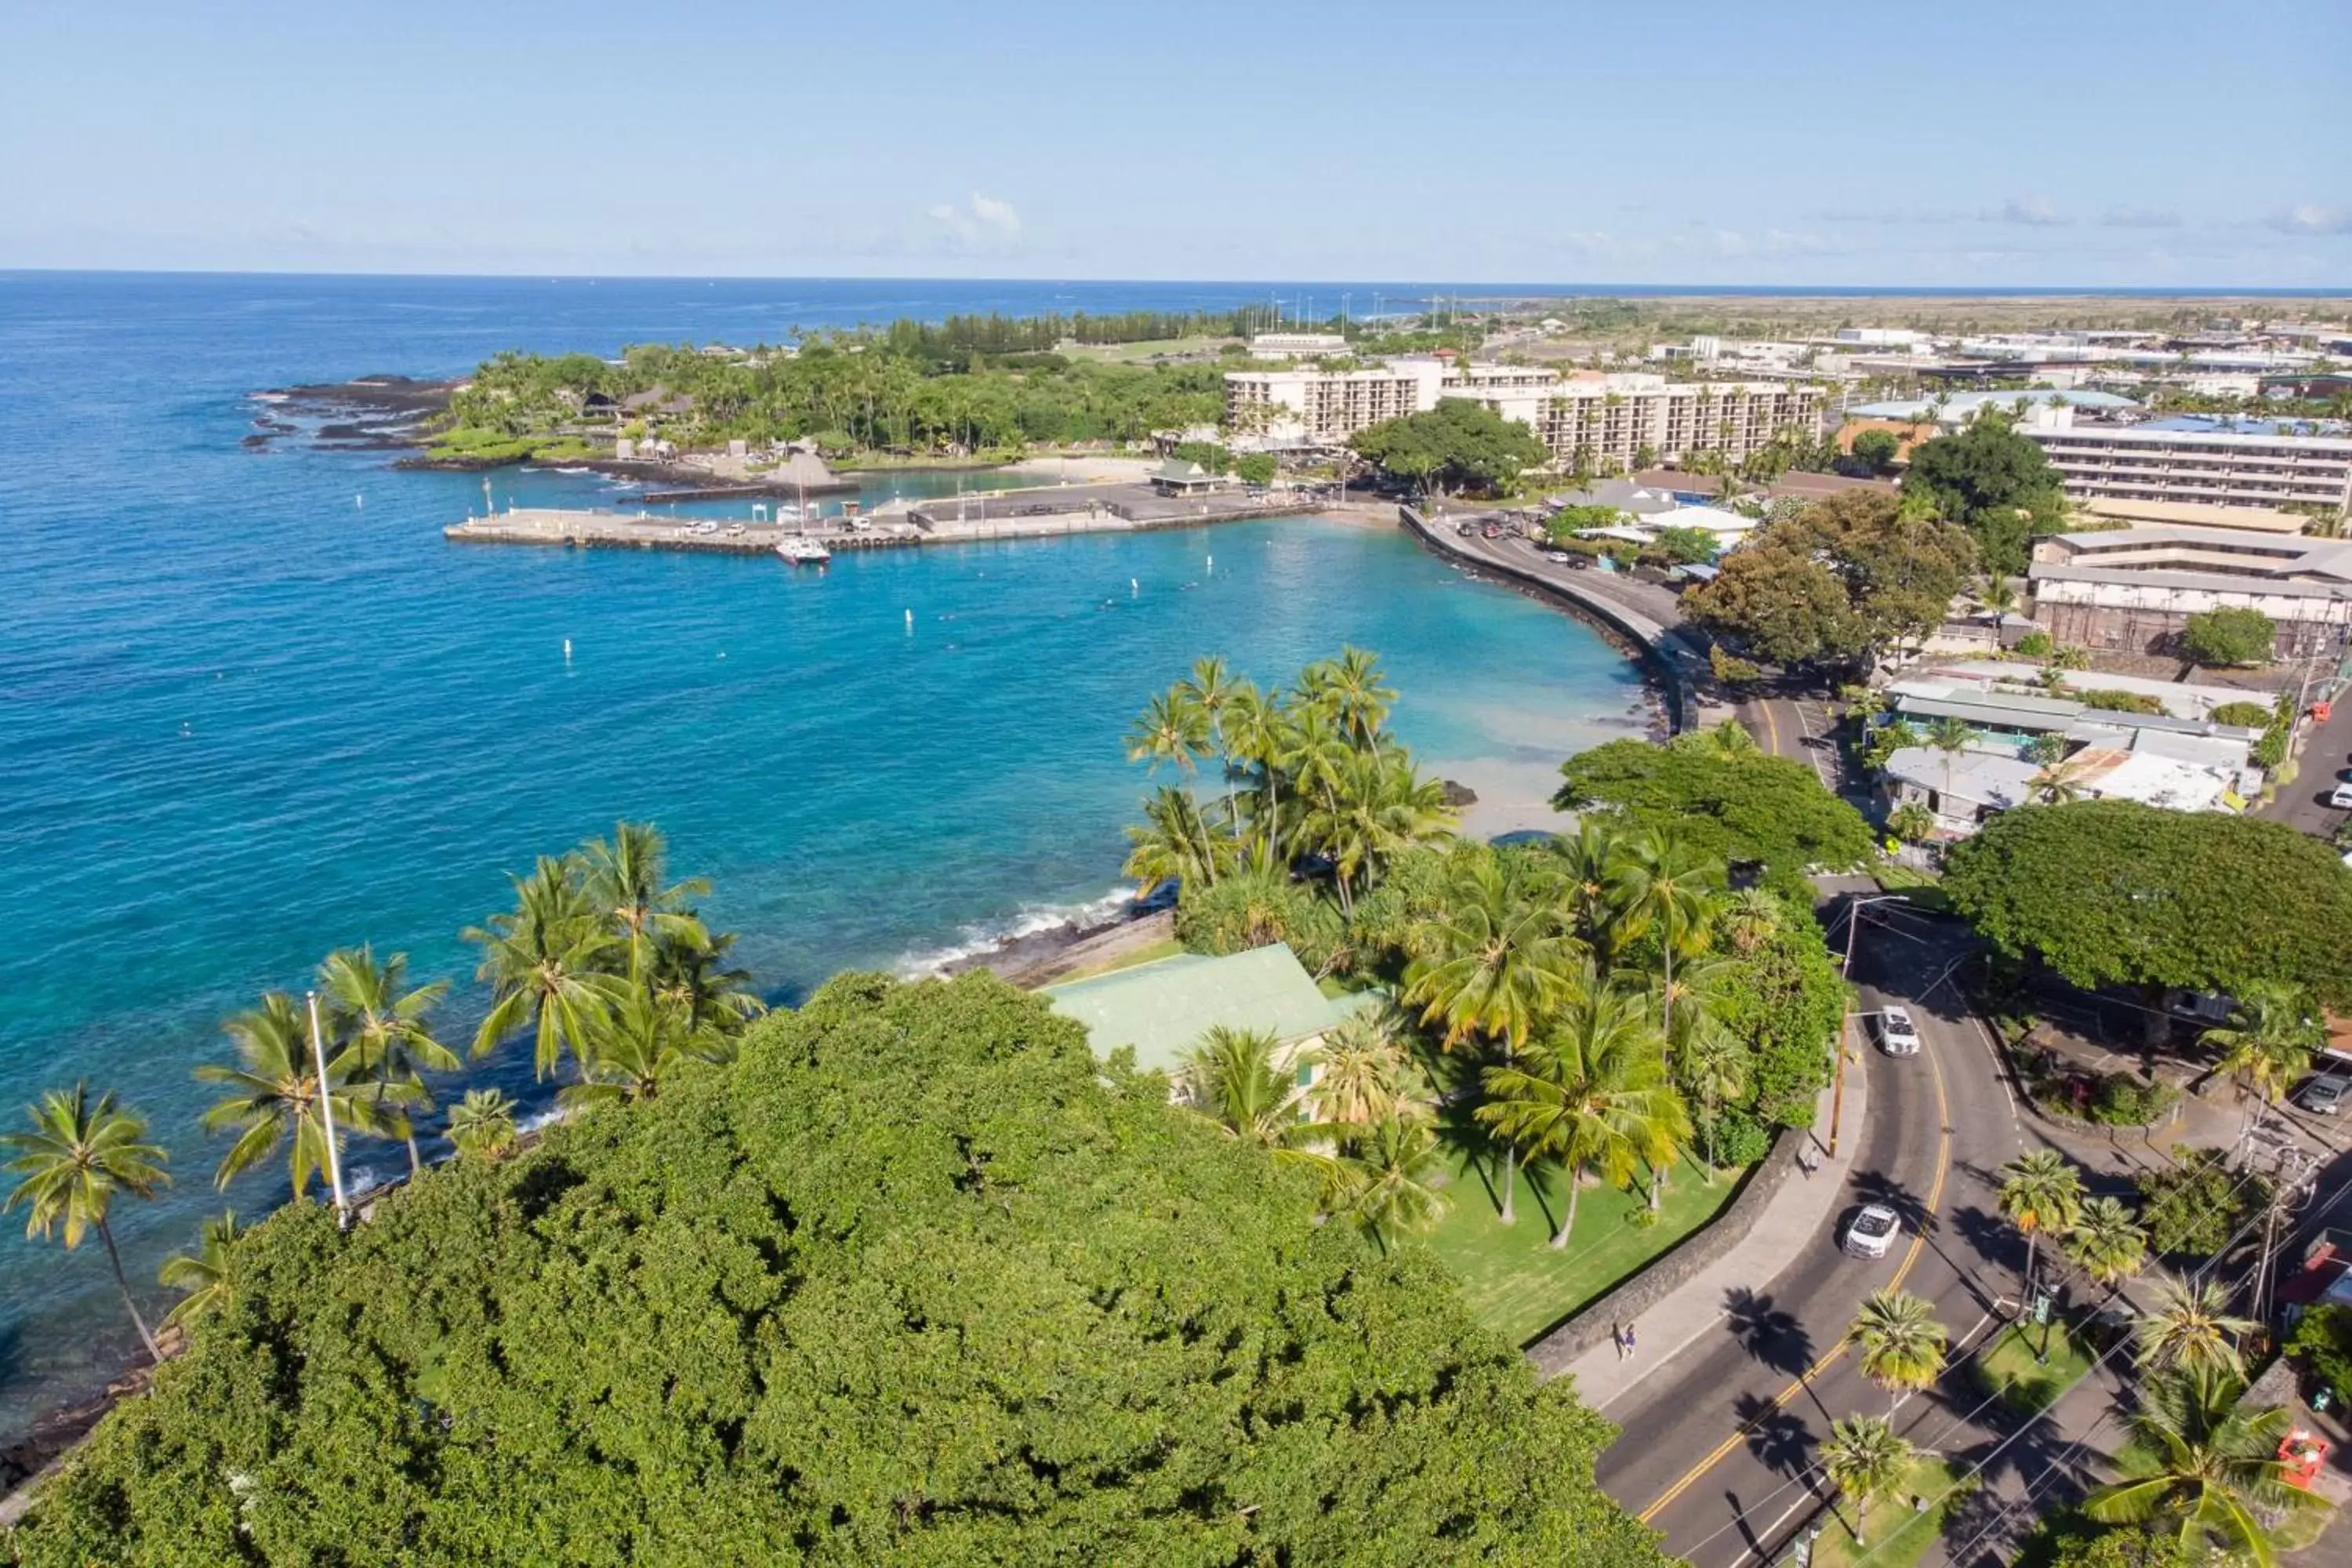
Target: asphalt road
[1718,1442]
[2303,804]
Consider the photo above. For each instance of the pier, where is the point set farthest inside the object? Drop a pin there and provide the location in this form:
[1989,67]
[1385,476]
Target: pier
[1049,513]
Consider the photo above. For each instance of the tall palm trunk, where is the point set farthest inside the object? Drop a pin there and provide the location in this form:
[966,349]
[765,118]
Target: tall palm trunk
[106,1235]
[1568,1219]
[415,1161]
[1511,1162]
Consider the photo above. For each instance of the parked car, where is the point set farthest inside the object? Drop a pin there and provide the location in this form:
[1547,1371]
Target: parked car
[1897,1034]
[2340,797]
[1871,1232]
[2324,1095]
[1495,530]
[1562,556]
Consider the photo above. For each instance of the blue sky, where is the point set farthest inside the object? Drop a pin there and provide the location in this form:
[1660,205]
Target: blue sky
[2066,141]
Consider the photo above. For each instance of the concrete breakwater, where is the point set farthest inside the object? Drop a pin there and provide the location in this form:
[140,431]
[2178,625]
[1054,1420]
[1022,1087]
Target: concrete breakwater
[1007,514]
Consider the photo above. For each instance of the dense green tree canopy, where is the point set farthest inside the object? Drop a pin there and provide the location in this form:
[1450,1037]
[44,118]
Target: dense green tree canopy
[914,1281]
[2110,892]
[1841,579]
[1456,444]
[1993,482]
[1747,808]
[2229,637]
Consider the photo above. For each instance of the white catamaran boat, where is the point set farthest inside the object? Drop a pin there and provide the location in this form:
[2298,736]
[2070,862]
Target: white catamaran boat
[803,551]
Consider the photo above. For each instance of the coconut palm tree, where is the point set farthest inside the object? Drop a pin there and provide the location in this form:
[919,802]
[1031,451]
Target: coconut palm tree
[2106,1243]
[1169,730]
[2202,1467]
[547,963]
[621,878]
[1364,1071]
[1951,737]
[638,1045]
[1350,688]
[2268,1043]
[1174,843]
[2190,1329]
[80,1154]
[1864,1459]
[1381,808]
[690,974]
[1711,1064]
[1897,1341]
[1668,885]
[1215,693]
[483,1123]
[1257,725]
[1491,963]
[1230,1077]
[273,1097]
[1316,751]
[1591,863]
[203,1276]
[1392,1168]
[1752,917]
[1591,1092]
[372,1015]
[2041,1191]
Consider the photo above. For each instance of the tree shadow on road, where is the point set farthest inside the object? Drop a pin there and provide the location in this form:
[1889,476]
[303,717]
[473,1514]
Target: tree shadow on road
[1877,1187]
[1782,1442]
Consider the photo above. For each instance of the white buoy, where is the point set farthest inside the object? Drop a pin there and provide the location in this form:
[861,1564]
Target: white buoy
[1213,565]
[911,623]
[359,503]
[567,650]
[1133,588]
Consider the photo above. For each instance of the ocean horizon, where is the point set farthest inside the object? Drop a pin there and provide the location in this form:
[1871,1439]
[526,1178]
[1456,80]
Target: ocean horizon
[255,707]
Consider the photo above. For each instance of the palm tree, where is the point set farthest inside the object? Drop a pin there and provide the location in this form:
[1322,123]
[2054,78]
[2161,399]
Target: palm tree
[273,1095]
[1380,807]
[2269,1041]
[638,1044]
[2190,1329]
[483,1123]
[1258,725]
[1726,742]
[1173,844]
[687,972]
[1391,1168]
[1897,1341]
[1364,1070]
[1214,693]
[1492,962]
[1350,688]
[2000,598]
[2106,1243]
[1169,730]
[1591,1092]
[2041,1191]
[1712,1064]
[1668,885]
[1865,1460]
[1951,737]
[1592,863]
[622,879]
[203,1276]
[382,1027]
[2202,1466]
[546,962]
[1315,751]
[79,1155]
[2046,748]
[1752,917]
[1230,1077]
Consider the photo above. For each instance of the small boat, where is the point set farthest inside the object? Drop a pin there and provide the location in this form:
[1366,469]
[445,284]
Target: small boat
[803,551]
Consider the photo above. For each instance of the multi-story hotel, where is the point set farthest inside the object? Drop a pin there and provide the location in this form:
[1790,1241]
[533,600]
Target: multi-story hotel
[2124,462]
[1592,423]
[2134,588]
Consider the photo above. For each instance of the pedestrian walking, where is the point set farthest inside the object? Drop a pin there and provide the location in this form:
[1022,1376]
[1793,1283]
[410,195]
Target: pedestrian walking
[1617,1337]
[1629,1339]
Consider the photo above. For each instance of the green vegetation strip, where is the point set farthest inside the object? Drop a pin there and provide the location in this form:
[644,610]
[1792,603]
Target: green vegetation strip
[2009,1369]
[1896,1534]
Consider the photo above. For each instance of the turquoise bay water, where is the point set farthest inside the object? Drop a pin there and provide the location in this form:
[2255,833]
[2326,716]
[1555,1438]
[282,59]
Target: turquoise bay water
[253,706]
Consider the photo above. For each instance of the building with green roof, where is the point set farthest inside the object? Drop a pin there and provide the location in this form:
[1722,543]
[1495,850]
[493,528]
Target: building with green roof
[1162,1008]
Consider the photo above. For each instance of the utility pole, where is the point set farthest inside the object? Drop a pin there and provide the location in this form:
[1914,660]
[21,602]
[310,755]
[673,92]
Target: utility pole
[1837,1083]
[327,1116]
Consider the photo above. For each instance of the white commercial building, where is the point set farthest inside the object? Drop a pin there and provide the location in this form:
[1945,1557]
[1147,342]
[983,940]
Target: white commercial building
[1298,345]
[2134,463]
[2134,588]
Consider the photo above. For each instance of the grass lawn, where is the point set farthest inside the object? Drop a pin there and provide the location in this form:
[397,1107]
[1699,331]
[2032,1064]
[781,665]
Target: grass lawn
[1168,947]
[1513,1280]
[2006,1368]
[1897,1536]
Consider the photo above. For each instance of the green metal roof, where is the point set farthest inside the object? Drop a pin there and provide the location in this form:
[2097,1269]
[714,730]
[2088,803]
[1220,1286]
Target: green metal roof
[1164,1007]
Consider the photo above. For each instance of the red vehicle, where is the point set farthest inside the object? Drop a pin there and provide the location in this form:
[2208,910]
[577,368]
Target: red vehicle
[1492,531]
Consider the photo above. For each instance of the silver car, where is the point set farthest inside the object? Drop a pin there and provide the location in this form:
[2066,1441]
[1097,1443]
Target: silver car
[1871,1232]
[1897,1034]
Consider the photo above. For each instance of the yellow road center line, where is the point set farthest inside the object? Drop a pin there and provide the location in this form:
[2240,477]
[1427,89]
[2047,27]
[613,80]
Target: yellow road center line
[1910,1259]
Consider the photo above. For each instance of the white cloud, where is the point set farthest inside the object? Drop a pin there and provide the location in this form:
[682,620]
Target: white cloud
[2140,217]
[2034,212]
[2312,220]
[985,222]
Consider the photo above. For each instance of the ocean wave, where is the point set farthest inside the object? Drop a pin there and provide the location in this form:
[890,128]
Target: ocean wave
[987,938]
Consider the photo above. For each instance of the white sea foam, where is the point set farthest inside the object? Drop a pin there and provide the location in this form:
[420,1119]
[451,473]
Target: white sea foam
[982,938]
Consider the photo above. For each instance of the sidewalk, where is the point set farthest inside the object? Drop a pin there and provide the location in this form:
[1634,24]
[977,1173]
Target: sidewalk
[1782,1235]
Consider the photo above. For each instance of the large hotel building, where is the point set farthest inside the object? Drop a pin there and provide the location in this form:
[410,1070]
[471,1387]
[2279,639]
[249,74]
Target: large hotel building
[1590,421]
[2123,462]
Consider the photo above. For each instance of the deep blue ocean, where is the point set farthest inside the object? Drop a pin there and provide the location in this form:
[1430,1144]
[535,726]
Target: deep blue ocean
[253,706]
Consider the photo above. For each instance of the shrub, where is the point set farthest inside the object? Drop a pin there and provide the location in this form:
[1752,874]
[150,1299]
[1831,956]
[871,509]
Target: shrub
[2323,1338]
[2271,751]
[2244,715]
[2036,645]
[1737,1138]
[1243,911]
[2193,1207]
[2121,1100]
[1731,671]
[1256,468]
[2229,637]
[2119,701]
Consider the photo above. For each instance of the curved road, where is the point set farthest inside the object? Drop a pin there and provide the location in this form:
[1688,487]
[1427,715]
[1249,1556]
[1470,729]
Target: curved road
[1719,1440]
